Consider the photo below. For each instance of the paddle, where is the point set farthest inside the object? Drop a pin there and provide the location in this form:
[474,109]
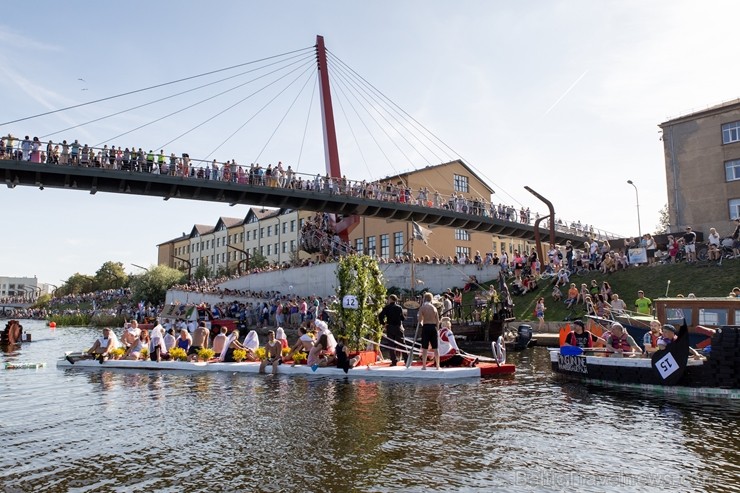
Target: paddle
[410,359]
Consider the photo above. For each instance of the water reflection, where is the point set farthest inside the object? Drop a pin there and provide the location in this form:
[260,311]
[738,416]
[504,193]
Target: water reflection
[111,430]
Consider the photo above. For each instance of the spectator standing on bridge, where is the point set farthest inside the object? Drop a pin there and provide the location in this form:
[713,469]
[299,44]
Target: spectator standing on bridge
[9,142]
[26,149]
[74,153]
[161,162]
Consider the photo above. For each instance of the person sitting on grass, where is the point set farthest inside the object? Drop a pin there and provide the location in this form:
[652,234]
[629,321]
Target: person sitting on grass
[572,295]
[556,294]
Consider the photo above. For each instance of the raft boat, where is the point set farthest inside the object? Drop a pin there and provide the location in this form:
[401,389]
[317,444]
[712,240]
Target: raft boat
[381,370]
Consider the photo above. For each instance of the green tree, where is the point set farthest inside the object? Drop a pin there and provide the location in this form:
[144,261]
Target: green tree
[664,221]
[152,286]
[111,276]
[257,260]
[359,276]
[202,272]
[76,284]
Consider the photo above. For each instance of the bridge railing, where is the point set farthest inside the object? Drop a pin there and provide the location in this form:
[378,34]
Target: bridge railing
[183,166]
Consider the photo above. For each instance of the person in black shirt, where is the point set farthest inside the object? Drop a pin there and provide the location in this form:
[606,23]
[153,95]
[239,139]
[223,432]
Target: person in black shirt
[580,337]
[392,317]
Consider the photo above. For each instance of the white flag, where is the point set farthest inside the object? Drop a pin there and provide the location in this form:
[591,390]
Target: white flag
[420,232]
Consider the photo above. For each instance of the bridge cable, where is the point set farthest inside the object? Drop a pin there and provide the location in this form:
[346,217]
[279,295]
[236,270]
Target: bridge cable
[305,127]
[313,48]
[166,97]
[433,135]
[203,101]
[253,116]
[309,62]
[354,136]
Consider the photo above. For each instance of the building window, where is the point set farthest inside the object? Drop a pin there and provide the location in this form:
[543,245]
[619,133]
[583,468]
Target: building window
[462,252]
[242,238]
[384,246]
[732,170]
[269,250]
[398,243]
[277,228]
[292,245]
[285,228]
[730,132]
[269,231]
[371,245]
[461,183]
[285,247]
[248,235]
[735,209]
[292,226]
[462,235]
[360,246]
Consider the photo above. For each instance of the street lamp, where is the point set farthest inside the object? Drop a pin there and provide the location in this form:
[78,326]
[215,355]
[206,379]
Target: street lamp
[637,199]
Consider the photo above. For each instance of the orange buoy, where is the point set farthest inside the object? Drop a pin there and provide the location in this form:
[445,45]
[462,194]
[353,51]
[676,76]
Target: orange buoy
[52,325]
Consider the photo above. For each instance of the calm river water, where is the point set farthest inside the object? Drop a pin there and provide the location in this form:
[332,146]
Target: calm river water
[123,431]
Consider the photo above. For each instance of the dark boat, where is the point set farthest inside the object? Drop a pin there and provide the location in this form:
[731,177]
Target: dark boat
[670,370]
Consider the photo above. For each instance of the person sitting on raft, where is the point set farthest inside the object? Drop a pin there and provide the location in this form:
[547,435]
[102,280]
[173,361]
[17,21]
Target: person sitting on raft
[102,346]
[280,336]
[199,341]
[273,351]
[232,344]
[219,341]
[449,352]
[581,337]
[342,356]
[184,341]
[303,344]
[130,334]
[316,356]
[651,338]
[134,350]
[157,349]
[322,328]
[620,342]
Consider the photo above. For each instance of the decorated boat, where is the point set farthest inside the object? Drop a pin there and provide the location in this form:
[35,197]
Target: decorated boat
[703,317]
[381,370]
[668,371]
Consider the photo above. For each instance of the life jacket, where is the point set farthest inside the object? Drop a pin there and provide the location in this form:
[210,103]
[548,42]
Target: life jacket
[619,342]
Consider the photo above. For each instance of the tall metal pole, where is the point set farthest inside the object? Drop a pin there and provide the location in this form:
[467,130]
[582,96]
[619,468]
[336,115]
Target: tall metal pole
[637,199]
[331,151]
[538,243]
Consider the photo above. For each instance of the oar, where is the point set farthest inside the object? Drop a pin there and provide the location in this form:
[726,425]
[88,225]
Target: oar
[410,359]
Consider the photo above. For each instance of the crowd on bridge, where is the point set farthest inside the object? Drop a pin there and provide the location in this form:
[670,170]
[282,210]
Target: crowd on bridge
[159,163]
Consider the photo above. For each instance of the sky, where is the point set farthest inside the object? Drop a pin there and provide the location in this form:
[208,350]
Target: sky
[562,96]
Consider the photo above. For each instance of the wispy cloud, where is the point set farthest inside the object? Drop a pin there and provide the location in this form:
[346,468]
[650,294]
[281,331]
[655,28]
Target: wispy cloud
[13,39]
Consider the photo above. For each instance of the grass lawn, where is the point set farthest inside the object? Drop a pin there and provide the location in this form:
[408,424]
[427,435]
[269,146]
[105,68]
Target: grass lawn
[703,279]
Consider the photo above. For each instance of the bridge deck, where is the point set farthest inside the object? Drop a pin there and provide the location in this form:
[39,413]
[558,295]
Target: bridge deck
[22,173]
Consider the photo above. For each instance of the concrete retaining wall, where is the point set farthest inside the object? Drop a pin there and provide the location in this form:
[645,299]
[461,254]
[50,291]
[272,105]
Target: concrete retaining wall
[321,280]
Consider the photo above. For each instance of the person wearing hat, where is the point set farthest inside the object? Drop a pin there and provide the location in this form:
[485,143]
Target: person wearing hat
[580,337]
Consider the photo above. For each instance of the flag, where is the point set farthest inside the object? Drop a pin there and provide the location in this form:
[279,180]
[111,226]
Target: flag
[670,363]
[420,232]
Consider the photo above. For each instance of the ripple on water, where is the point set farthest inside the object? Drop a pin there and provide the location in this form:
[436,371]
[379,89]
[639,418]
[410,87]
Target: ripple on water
[103,430]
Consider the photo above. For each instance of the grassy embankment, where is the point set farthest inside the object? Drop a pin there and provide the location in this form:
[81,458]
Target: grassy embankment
[703,280]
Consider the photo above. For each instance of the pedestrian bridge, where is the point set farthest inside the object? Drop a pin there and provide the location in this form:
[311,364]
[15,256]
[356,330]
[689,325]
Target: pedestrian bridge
[24,173]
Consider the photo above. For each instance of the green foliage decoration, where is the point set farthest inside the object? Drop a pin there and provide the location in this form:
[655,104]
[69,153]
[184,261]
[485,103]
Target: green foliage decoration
[360,276]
